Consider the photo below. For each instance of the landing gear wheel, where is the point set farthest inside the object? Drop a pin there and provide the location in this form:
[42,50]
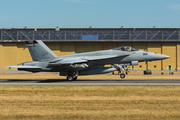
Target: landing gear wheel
[122,75]
[75,78]
[126,73]
[69,78]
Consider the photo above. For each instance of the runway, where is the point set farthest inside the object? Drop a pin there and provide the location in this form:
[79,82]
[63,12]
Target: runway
[89,82]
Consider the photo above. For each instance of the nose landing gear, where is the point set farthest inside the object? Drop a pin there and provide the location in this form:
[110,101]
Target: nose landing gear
[122,75]
[121,69]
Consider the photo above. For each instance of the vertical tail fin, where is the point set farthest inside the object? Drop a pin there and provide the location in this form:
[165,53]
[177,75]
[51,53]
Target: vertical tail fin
[39,51]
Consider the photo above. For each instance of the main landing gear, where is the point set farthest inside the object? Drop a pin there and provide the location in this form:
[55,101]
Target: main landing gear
[72,77]
[69,78]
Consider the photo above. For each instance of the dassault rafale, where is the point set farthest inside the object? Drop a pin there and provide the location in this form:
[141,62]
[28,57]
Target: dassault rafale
[87,63]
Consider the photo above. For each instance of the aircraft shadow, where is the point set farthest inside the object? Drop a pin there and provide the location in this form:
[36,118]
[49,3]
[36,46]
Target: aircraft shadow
[86,81]
[32,80]
[60,80]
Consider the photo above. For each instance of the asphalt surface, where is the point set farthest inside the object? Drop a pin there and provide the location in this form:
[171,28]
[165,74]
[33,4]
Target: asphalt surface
[89,82]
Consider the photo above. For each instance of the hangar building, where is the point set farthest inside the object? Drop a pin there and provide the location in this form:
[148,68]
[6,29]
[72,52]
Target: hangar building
[64,41]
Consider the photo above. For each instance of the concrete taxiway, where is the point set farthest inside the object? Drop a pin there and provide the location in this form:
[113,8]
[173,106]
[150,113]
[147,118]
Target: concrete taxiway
[89,82]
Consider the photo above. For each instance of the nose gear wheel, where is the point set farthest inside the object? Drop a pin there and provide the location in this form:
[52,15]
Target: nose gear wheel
[122,75]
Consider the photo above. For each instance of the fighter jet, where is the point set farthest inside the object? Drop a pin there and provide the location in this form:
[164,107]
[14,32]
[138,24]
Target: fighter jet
[88,63]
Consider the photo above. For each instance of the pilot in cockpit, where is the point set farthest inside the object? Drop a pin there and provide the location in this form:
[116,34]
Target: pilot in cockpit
[126,49]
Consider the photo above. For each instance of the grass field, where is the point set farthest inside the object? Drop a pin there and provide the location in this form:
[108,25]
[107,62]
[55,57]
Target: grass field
[89,102]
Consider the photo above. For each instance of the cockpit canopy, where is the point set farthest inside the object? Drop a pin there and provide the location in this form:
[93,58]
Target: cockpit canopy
[126,48]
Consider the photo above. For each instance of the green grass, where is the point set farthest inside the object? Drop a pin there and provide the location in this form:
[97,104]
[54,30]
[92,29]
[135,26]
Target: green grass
[89,102]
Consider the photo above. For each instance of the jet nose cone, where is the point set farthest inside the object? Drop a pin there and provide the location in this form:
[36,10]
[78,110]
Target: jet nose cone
[167,56]
[164,56]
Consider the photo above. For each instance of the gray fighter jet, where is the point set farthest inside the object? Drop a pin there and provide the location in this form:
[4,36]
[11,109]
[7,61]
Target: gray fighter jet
[88,63]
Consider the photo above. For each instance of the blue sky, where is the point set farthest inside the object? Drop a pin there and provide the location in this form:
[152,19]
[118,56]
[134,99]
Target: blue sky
[85,13]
